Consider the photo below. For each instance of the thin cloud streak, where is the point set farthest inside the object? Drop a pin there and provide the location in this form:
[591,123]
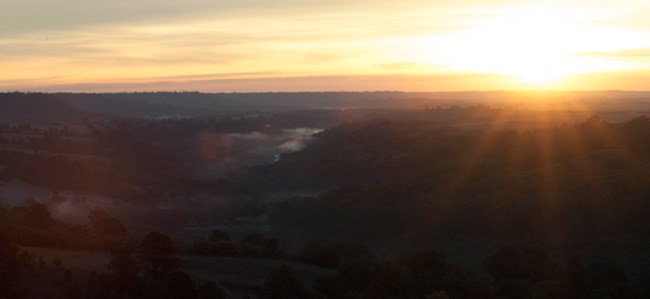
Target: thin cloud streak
[424,83]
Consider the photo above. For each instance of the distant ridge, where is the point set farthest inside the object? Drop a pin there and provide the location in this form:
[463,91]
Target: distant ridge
[64,106]
[37,107]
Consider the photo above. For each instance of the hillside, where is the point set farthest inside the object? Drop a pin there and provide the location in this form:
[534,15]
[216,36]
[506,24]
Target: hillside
[570,186]
[38,108]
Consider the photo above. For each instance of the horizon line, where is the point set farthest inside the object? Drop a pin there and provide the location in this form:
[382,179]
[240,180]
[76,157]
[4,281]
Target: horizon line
[327,91]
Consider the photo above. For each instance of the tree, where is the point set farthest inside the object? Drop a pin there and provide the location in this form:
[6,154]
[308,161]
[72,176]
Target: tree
[261,241]
[503,264]
[36,214]
[69,289]
[124,273]
[425,269]
[8,268]
[180,285]
[328,253]
[108,231]
[532,264]
[425,261]
[211,290]
[611,279]
[390,276]
[156,254]
[283,284]
[461,283]
[57,261]
[105,225]
[357,273]
[437,295]
[575,277]
[218,235]
[156,244]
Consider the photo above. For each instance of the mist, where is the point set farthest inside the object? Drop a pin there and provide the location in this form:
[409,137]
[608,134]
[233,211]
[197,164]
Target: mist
[223,153]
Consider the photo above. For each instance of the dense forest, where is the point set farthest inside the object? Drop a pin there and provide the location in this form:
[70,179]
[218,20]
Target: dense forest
[437,201]
[571,185]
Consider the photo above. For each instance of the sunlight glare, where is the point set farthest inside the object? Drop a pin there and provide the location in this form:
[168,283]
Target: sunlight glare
[533,47]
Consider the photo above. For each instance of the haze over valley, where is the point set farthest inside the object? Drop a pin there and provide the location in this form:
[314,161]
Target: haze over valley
[278,175]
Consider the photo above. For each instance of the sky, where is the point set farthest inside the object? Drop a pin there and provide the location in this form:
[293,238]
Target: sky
[323,45]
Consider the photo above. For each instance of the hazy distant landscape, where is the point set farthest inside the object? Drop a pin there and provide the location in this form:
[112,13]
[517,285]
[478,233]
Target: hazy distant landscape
[325,195]
[324,149]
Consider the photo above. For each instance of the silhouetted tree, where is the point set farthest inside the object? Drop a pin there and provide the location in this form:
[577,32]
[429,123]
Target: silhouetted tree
[261,241]
[513,289]
[180,285]
[8,269]
[211,290]
[328,253]
[105,225]
[156,254]
[108,231]
[26,259]
[609,278]
[34,214]
[69,289]
[218,235]
[461,283]
[283,284]
[390,277]
[644,282]
[56,261]
[124,273]
[357,273]
[424,261]
[575,277]
[532,264]
[437,295]
[41,263]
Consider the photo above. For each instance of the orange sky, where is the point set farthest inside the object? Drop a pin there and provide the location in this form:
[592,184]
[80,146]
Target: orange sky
[259,45]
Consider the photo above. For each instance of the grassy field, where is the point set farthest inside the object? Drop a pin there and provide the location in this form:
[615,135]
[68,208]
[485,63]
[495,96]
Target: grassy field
[239,275]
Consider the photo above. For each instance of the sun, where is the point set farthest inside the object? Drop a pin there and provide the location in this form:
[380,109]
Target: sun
[532,46]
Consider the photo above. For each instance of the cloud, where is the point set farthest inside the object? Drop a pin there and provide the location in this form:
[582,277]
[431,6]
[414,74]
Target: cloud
[432,82]
[295,44]
[634,54]
[21,16]
[144,44]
